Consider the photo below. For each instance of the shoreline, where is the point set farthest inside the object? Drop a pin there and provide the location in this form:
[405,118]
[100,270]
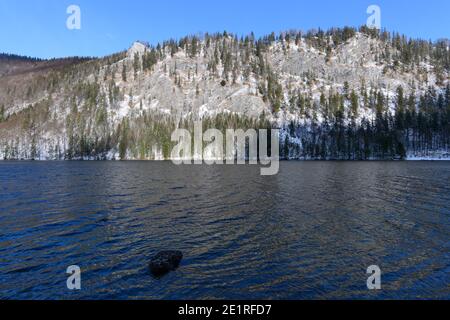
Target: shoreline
[412,159]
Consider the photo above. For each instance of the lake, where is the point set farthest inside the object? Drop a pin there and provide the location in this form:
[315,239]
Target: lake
[309,232]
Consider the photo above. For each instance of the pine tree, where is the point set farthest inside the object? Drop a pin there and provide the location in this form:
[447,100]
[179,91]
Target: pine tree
[194,47]
[380,103]
[412,103]
[324,106]
[2,113]
[400,100]
[124,73]
[354,104]
[447,95]
[329,53]
[346,90]
[124,136]
[136,64]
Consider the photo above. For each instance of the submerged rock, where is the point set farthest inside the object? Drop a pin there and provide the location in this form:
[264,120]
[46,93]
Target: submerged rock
[164,262]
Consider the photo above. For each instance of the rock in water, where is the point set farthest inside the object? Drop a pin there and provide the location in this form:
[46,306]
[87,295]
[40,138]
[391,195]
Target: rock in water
[164,262]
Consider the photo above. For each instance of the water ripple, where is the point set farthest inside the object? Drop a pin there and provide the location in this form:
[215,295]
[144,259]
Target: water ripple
[308,233]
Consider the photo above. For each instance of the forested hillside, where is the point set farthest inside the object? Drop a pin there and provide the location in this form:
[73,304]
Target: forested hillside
[336,94]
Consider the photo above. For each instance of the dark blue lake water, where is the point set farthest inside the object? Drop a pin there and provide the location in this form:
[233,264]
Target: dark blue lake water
[309,232]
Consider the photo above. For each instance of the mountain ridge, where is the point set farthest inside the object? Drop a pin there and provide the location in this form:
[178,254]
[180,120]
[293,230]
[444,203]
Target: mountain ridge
[290,80]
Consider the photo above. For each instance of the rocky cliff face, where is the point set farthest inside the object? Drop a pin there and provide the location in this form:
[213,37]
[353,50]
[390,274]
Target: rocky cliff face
[125,105]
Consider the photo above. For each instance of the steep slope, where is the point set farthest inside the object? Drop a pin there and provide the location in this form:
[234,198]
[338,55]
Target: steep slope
[126,105]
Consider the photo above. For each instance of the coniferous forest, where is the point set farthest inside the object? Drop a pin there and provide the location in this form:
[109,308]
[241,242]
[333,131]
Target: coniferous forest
[348,94]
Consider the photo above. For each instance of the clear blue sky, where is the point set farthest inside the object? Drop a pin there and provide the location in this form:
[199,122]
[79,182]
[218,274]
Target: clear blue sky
[38,27]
